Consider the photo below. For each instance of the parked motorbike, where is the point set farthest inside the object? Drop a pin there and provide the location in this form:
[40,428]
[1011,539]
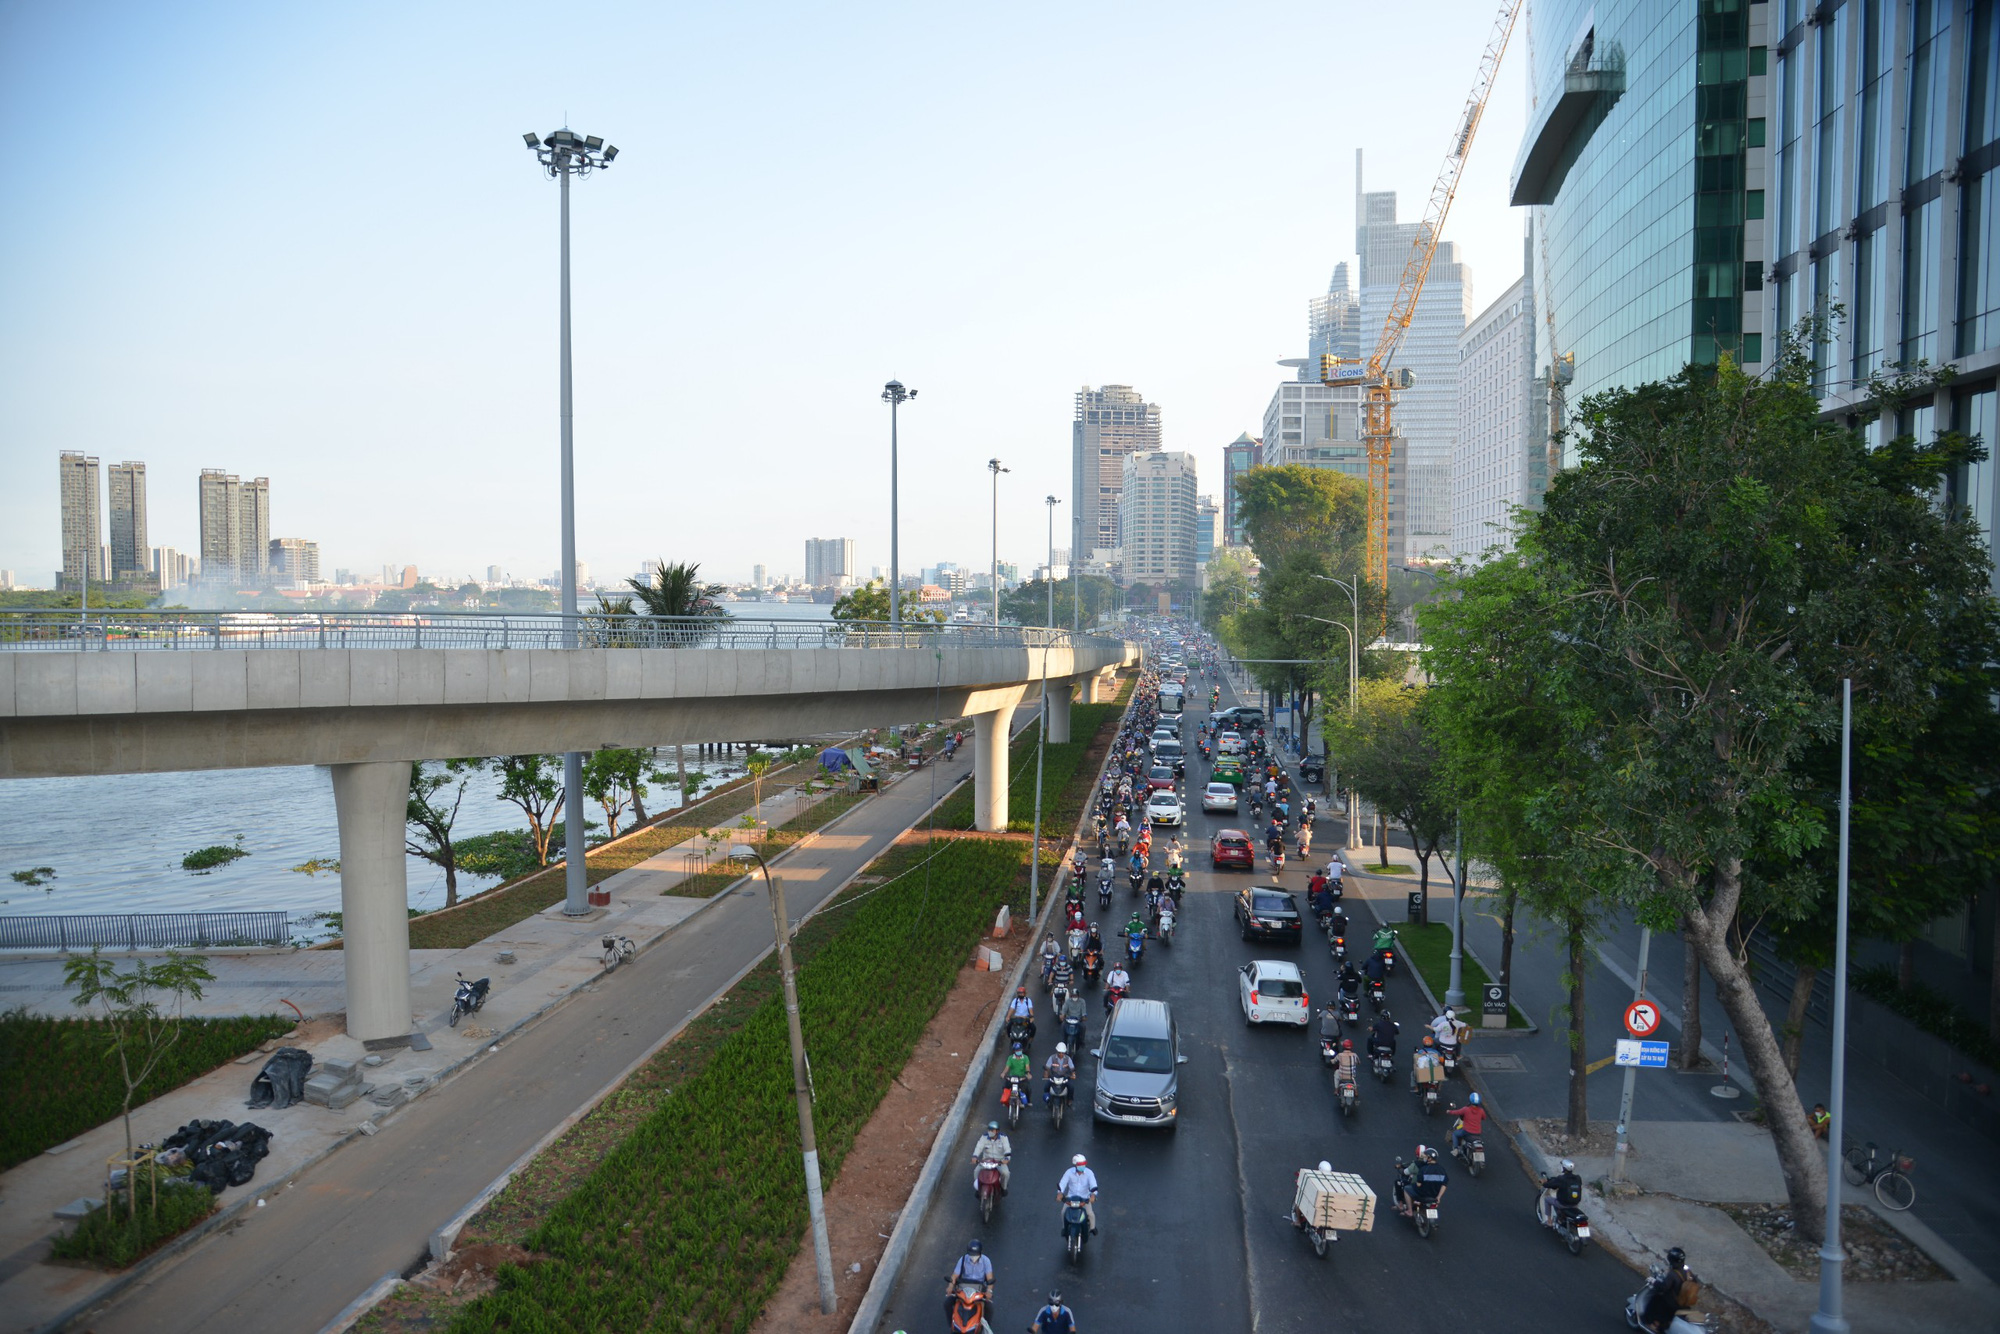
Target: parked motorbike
[1075,1229]
[470,998]
[989,1187]
[1056,1093]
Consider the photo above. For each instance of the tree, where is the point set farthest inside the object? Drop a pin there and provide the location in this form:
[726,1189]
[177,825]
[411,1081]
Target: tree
[534,783]
[1388,754]
[435,794]
[468,589]
[1028,604]
[677,590]
[616,778]
[1230,590]
[1293,510]
[139,1034]
[1720,559]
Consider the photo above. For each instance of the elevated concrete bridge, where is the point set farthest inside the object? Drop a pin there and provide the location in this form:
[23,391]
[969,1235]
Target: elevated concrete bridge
[126,692]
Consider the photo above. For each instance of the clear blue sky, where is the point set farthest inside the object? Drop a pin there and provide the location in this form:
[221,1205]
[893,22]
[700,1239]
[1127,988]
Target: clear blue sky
[306,241]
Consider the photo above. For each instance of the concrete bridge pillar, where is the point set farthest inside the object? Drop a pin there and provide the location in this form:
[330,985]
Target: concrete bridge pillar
[1058,705]
[370,801]
[1086,688]
[990,732]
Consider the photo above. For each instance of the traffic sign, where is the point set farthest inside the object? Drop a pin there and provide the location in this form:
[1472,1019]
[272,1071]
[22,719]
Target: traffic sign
[1644,1055]
[1642,1019]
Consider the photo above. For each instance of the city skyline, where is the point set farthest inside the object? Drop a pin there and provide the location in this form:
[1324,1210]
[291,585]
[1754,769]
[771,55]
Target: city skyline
[375,363]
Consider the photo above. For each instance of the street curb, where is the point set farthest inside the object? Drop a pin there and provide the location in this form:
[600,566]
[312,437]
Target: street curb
[889,1269]
[344,1319]
[1417,975]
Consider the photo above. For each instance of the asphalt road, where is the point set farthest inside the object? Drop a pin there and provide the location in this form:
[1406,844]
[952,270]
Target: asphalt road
[1195,1223]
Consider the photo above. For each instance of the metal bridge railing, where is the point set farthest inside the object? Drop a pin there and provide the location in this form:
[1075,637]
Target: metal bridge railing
[27,630]
[144,931]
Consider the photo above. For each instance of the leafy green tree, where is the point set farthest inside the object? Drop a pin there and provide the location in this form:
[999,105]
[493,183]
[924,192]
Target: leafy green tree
[1230,590]
[435,793]
[468,589]
[616,778]
[505,854]
[534,783]
[870,602]
[141,1010]
[1028,604]
[1295,510]
[1386,750]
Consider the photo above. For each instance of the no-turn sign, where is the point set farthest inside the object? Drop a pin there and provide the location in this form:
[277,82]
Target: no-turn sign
[1642,1019]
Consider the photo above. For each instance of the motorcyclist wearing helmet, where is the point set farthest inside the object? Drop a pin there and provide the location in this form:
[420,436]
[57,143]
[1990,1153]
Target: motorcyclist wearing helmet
[1329,1023]
[993,1144]
[1565,1188]
[1018,1068]
[1425,1067]
[1055,1318]
[1350,981]
[1080,1184]
[1382,1036]
[1668,1293]
[975,1266]
[1422,1182]
[1022,1008]
[1346,1064]
[1057,1066]
[1471,1121]
[1050,951]
[1093,941]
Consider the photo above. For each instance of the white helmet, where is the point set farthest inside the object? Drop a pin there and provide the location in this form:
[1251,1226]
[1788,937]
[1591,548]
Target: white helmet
[1077,1161]
[1062,1049]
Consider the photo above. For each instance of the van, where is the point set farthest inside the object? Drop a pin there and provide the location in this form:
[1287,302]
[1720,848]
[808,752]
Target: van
[1138,1066]
[1170,705]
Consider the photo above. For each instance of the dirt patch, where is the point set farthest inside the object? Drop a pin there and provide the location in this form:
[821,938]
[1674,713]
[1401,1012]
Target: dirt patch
[876,1176]
[1875,1251]
[1600,1142]
[472,1270]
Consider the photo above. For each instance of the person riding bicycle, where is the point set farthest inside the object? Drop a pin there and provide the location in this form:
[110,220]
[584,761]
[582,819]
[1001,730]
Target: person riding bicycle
[1565,1188]
[994,1145]
[1471,1122]
[1058,1066]
[1022,1008]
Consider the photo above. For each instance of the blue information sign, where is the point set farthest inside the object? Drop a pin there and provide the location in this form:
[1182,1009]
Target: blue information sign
[1645,1055]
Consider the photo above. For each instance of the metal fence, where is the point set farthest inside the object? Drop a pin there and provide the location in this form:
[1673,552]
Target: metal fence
[144,931]
[73,630]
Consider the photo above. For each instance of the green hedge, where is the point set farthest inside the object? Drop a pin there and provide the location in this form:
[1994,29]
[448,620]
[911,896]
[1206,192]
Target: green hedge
[1062,798]
[691,1221]
[57,1080]
[114,1234]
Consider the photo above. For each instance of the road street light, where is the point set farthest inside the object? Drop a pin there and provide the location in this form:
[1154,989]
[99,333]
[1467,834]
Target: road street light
[564,154]
[1052,502]
[801,1074]
[895,396]
[1353,688]
[993,466]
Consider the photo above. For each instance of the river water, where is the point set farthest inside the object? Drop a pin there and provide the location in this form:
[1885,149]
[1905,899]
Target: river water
[115,842]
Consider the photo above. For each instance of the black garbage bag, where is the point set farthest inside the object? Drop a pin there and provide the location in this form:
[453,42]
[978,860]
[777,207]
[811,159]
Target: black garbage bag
[223,1153]
[282,1081]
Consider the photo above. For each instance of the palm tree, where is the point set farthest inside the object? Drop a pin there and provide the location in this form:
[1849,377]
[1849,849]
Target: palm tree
[677,590]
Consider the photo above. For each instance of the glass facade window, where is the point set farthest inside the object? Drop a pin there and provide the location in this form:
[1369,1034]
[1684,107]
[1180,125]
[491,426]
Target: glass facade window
[1920,275]
[1871,302]
[1722,44]
[1872,181]
[1791,121]
[1978,267]
[1832,96]
[1826,296]
[1982,79]
[1928,85]
[1977,487]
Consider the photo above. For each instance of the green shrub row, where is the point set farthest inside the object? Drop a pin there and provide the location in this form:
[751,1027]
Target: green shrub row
[57,1079]
[691,1221]
[114,1234]
[1929,1010]
[1062,798]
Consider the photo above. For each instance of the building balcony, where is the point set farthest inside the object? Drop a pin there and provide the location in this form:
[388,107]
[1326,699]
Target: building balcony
[1590,86]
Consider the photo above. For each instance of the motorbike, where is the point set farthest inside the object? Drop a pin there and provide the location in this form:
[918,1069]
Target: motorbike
[1472,1152]
[1427,1098]
[1176,884]
[1112,995]
[1017,1031]
[1278,862]
[1166,924]
[1449,1055]
[1093,964]
[1424,1216]
[1103,892]
[1135,948]
[1075,938]
[1680,1324]
[1075,1228]
[470,998]
[1350,1009]
[1350,1097]
[1057,1094]
[1136,878]
[1073,1030]
[1014,1095]
[989,1187]
[968,1309]
[1339,947]
[1389,961]
[1375,995]
[1058,998]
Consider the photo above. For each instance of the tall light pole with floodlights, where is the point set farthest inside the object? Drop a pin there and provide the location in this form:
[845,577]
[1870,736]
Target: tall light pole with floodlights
[564,154]
[993,466]
[895,395]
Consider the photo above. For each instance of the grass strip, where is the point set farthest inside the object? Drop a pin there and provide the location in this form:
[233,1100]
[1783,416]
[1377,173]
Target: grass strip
[58,1079]
[1429,948]
[714,879]
[690,1221]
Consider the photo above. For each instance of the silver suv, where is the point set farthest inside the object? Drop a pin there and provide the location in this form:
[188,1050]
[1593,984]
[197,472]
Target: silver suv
[1138,1078]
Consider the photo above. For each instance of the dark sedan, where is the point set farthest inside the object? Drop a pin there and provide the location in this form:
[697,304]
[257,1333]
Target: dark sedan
[1265,913]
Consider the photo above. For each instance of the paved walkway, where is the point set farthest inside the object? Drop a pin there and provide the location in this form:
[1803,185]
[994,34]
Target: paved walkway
[317,1240]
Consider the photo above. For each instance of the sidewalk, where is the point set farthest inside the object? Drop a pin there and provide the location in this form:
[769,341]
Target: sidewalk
[555,959]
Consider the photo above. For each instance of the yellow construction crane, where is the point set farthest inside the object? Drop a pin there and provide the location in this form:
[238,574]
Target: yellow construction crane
[1378,383]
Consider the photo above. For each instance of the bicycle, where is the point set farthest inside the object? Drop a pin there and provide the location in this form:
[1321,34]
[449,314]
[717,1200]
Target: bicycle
[617,949]
[1890,1174]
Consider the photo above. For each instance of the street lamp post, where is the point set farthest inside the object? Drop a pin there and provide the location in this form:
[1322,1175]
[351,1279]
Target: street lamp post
[801,1074]
[993,466]
[895,395]
[1052,502]
[1828,1319]
[1353,591]
[562,155]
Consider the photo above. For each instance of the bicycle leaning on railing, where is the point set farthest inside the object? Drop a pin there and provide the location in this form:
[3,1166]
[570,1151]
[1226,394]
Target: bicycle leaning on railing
[1889,1172]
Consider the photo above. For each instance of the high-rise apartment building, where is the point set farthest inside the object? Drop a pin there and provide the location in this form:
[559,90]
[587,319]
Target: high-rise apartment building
[293,560]
[254,529]
[1156,516]
[82,519]
[1498,466]
[1426,415]
[759,576]
[173,569]
[220,496]
[1238,457]
[1207,520]
[1333,324]
[131,557]
[1645,157]
[1884,127]
[1112,422]
[829,562]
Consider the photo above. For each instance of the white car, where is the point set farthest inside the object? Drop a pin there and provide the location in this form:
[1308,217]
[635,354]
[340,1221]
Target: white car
[1164,733]
[1219,797]
[1229,743]
[1272,992]
[1163,808]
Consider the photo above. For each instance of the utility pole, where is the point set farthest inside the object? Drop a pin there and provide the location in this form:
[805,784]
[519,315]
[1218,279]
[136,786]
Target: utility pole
[895,395]
[1829,1319]
[1052,502]
[565,154]
[993,466]
[1454,992]
[1631,1071]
